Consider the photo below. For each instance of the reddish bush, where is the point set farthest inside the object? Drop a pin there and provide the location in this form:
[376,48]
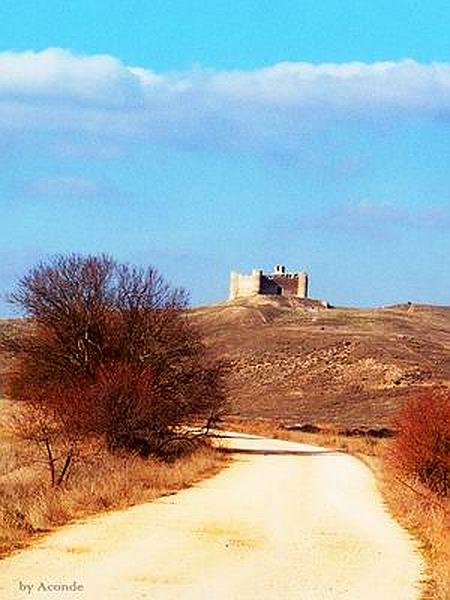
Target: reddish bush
[421,447]
[109,352]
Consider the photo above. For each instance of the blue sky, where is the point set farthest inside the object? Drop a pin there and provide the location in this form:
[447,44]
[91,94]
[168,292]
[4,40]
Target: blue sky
[208,138]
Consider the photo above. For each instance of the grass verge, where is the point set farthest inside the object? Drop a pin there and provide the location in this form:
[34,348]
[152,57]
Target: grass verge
[422,513]
[29,506]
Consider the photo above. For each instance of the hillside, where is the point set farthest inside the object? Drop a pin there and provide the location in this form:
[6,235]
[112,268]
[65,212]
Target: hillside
[300,362]
[345,366]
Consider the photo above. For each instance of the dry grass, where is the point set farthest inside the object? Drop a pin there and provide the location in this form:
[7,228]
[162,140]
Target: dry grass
[428,517]
[417,509]
[29,506]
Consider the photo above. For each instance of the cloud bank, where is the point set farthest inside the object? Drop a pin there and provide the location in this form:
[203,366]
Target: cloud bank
[57,91]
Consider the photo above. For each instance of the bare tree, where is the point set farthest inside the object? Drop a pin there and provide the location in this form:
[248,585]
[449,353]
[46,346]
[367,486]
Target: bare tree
[111,352]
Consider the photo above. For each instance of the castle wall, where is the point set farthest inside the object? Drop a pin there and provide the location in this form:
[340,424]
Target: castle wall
[245,285]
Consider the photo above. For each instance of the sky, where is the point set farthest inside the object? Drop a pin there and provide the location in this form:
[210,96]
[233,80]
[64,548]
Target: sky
[207,137]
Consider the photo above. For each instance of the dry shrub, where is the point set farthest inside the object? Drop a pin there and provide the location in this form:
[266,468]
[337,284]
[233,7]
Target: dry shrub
[421,448]
[108,352]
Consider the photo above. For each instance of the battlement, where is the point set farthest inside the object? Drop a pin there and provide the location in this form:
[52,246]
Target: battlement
[278,283]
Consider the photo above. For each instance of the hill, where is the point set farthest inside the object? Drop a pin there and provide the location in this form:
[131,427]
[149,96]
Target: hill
[297,361]
[306,363]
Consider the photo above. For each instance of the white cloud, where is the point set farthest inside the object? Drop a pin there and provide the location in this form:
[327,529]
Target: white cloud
[58,91]
[59,74]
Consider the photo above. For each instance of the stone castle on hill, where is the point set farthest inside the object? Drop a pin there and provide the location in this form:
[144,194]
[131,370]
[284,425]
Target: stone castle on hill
[278,283]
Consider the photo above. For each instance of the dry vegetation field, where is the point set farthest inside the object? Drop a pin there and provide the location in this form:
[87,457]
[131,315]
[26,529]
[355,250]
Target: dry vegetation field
[29,506]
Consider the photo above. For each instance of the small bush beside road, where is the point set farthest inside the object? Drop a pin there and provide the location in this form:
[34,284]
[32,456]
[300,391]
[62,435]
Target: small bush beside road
[421,448]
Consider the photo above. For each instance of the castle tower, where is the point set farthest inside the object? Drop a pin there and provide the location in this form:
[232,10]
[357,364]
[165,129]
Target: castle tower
[245,285]
[302,290]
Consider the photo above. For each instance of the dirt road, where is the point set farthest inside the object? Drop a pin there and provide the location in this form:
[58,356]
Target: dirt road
[284,521]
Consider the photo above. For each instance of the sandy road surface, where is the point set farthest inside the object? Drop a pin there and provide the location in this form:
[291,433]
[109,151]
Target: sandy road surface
[284,521]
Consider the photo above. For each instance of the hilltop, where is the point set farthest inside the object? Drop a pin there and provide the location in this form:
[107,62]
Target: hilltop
[292,360]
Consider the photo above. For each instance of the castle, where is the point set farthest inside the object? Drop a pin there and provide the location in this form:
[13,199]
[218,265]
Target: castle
[278,283]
